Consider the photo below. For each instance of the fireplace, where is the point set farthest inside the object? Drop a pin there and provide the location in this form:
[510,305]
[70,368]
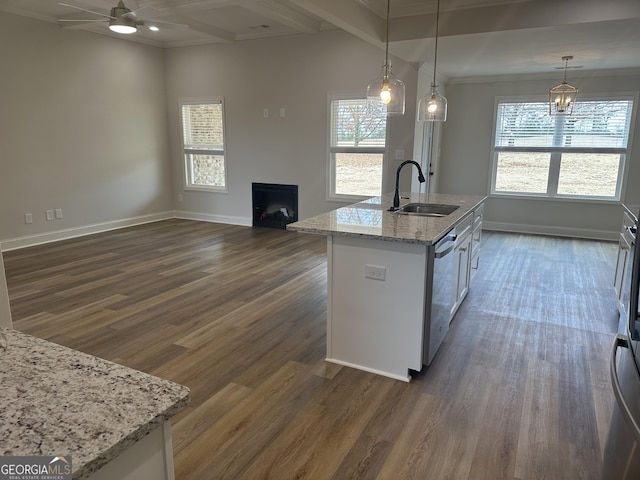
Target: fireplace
[274,205]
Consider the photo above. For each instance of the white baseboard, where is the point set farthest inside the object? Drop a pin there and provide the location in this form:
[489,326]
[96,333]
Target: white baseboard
[32,240]
[549,230]
[208,217]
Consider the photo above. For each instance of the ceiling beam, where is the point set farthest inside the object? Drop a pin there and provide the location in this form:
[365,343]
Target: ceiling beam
[215,33]
[283,14]
[348,15]
[514,16]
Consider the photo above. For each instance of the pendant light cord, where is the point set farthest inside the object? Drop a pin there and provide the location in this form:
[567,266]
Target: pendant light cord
[435,55]
[386,37]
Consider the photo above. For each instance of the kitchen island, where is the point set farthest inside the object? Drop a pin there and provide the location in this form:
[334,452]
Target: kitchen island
[112,420]
[387,312]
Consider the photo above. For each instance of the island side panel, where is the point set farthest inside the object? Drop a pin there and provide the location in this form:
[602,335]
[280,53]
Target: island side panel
[372,324]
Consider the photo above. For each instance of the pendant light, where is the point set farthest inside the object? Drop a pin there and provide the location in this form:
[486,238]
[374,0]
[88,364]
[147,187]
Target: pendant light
[433,107]
[387,88]
[562,97]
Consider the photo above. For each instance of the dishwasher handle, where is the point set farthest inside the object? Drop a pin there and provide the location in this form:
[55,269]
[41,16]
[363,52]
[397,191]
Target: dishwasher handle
[621,341]
[446,251]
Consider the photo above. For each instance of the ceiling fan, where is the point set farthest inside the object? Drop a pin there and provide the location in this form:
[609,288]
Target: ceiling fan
[124,20]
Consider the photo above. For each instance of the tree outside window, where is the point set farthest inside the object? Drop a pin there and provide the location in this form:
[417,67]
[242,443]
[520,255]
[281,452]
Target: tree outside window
[357,147]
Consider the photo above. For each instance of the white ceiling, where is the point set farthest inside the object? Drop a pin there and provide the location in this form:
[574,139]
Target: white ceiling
[476,37]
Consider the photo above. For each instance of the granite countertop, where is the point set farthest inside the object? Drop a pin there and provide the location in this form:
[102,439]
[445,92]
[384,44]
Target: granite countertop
[58,401]
[371,219]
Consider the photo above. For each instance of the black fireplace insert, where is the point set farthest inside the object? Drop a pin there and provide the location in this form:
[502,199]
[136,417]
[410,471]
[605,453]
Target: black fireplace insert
[274,205]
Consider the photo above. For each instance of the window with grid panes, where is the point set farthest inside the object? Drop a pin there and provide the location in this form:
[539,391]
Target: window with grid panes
[357,144]
[203,144]
[578,156]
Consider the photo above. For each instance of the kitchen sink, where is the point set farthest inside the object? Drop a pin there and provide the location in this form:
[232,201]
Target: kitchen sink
[427,209]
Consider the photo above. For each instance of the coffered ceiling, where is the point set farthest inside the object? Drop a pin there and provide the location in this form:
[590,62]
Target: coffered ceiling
[477,37]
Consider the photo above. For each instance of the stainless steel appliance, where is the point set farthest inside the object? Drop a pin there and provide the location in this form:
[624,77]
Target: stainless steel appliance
[622,451]
[440,290]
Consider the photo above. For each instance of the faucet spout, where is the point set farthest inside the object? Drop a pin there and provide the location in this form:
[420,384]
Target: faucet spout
[396,196]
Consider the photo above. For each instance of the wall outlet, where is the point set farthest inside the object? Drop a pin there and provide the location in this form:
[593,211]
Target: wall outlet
[179,197]
[58,213]
[282,112]
[28,218]
[49,214]
[399,154]
[375,272]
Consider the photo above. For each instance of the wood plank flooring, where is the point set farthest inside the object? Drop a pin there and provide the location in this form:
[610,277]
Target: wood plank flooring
[519,389]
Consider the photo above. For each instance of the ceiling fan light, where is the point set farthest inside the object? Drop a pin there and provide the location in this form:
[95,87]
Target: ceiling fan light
[124,29]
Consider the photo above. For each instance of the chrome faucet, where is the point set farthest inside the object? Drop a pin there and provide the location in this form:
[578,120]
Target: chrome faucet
[396,197]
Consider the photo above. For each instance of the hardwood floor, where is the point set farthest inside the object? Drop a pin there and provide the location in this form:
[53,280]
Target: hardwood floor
[519,390]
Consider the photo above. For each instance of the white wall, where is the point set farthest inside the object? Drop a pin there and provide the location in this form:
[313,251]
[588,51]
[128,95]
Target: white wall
[82,128]
[294,72]
[466,163]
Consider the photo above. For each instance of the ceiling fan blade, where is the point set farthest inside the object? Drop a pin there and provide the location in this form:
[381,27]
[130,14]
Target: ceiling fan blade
[173,26]
[82,21]
[85,10]
[142,13]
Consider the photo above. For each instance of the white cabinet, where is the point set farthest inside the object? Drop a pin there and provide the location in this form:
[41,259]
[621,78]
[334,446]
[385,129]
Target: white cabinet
[467,255]
[621,279]
[476,241]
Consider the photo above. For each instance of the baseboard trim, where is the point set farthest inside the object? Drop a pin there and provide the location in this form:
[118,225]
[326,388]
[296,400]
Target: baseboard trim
[33,240]
[39,239]
[549,230]
[208,217]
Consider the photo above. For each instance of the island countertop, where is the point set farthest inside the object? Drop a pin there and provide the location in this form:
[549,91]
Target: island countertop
[58,401]
[371,219]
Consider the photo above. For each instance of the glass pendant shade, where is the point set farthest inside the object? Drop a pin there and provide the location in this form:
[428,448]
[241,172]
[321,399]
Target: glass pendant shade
[432,107]
[388,90]
[562,97]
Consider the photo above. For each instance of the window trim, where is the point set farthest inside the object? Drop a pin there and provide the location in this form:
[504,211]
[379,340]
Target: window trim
[331,196]
[186,151]
[555,151]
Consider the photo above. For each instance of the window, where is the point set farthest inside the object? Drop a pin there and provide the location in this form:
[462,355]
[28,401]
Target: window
[577,156]
[357,144]
[203,144]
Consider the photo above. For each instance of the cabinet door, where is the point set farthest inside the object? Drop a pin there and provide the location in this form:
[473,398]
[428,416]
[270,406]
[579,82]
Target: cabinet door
[463,250]
[623,251]
[475,250]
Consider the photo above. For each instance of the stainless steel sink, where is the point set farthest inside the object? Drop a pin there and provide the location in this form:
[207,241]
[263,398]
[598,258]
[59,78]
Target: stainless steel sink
[427,209]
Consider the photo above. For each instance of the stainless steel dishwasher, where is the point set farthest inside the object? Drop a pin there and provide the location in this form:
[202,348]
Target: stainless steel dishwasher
[441,262]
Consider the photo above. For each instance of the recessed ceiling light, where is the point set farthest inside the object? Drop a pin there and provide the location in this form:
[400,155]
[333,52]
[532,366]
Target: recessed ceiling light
[153,28]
